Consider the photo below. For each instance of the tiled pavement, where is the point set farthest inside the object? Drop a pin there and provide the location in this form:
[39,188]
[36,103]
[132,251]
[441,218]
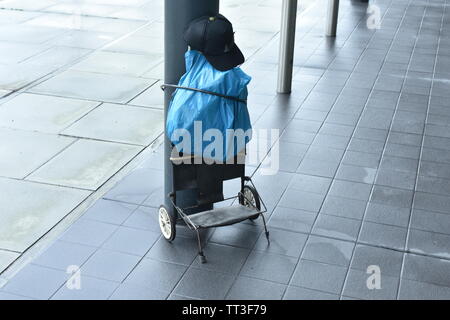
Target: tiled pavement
[83,78]
[364,180]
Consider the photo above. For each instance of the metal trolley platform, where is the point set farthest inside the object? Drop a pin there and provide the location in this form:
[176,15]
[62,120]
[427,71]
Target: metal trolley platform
[208,180]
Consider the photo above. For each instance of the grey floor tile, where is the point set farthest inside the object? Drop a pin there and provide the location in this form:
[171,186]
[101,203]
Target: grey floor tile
[385,214]
[433,185]
[110,265]
[137,186]
[91,289]
[428,201]
[356,174]
[292,219]
[430,221]
[356,286]
[348,208]
[326,250]
[127,291]
[156,275]
[429,243]
[204,284]
[131,240]
[267,266]
[109,211]
[324,154]
[392,196]
[301,200]
[282,242]
[152,97]
[350,190]
[239,235]
[24,151]
[427,269]
[144,218]
[370,134]
[60,255]
[297,136]
[94,86]
[396,179]
[336,129]
[310,183]
[383,235]
[330,141]
[336,227]
[224,259]
[361,159]
[7,258]
[389,261]
[4,296]
[399,164]
[36,282]
[89,232]
[317,167]
[319,276]
[89,172]
[414,290]
[43,113]
[19,200]
[408,139]
[119,63]
[181,251]
[133,125]
[435,169]
[297,293]
[308,114]
[245,288]
[401,150]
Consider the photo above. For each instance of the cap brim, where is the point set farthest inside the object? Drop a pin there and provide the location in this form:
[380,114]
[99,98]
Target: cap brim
[228,60]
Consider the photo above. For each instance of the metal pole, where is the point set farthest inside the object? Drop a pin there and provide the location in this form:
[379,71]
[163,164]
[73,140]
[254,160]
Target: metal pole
[177,15]
[287,42]
[332,17]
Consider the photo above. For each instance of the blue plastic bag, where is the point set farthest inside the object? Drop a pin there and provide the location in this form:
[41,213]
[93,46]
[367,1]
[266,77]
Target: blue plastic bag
[197,112]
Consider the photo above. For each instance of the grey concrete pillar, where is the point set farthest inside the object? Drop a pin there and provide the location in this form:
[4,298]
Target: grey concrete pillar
[177,15]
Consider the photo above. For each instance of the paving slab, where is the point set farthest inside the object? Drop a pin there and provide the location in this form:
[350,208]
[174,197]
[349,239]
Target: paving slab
[30,210]
[6,258]
[100,161]
[58,56]
[152,97]
[36,282]
[118,63]
[94,86]
[42,113]
[16,76]
[15,52]
[25,151]
[119,123]
[91,289]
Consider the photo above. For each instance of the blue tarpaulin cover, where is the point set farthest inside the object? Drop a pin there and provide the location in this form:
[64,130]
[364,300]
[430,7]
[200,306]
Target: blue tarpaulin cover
[187,107]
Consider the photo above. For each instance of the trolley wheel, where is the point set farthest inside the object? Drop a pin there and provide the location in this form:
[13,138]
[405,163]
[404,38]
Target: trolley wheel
[249,197]
[167,223]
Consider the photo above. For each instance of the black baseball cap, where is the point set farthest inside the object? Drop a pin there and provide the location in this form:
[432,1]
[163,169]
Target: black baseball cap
[214,37]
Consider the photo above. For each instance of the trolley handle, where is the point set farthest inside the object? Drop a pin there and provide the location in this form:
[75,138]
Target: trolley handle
[164,86]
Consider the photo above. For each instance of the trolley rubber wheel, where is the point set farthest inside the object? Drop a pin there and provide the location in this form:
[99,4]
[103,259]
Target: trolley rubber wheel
[250,199]
[167,223]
